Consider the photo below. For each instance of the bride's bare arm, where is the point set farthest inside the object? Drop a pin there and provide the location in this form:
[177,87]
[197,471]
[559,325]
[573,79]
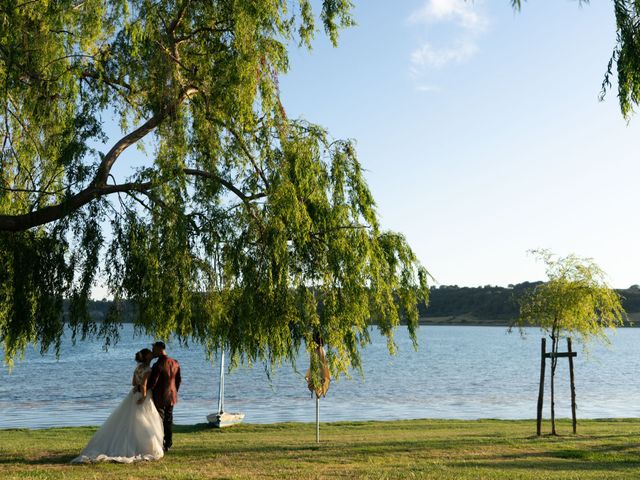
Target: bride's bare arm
[143,388]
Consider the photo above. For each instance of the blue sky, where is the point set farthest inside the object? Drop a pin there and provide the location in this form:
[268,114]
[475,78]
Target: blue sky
[481,132]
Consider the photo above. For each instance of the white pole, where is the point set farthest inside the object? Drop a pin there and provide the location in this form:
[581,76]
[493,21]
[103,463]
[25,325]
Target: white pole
[221,387]
[317,419]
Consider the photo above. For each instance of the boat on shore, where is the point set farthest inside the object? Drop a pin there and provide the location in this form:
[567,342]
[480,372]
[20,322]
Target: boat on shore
[222,419]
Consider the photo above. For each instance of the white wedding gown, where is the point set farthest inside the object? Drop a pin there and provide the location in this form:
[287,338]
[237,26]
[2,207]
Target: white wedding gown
[131,433]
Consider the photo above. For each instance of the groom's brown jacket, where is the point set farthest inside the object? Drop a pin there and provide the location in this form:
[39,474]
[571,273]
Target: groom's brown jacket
[164,381]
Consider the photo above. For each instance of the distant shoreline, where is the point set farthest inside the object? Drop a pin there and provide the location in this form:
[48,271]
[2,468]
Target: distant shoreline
[472,321]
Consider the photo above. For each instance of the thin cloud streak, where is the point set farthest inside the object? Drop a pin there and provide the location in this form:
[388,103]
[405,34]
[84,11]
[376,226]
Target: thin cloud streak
[428,88]
[429,56]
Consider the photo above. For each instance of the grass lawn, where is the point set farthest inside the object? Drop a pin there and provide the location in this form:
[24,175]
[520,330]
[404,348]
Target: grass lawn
[447,449]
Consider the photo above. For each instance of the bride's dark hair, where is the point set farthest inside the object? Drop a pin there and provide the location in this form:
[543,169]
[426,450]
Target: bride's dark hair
[141,354]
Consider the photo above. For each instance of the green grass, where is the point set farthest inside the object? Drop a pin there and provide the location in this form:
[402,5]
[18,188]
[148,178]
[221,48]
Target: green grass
[442,449]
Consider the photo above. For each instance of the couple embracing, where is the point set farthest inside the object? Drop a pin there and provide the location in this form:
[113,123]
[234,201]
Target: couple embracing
[140,427]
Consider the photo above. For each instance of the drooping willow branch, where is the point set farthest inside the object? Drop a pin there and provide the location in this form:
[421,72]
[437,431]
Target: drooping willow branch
[98,186]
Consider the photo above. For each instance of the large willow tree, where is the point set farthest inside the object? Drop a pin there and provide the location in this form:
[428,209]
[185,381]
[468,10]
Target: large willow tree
[232,225]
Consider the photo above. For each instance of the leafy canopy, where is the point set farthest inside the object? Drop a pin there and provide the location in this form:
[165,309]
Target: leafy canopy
[575,300]
[233,226]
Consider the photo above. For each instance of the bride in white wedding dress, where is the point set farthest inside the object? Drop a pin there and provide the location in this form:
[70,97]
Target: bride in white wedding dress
[133,432]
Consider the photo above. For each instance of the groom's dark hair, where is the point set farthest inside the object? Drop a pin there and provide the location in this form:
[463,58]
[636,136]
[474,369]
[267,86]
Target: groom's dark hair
[160,345]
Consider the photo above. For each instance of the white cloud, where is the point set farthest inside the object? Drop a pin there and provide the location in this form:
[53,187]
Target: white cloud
[429,56]
[467,20]
[427,88]
[462,12]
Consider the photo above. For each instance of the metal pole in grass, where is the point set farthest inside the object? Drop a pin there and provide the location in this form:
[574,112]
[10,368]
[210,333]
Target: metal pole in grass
[317,419]
[318,377]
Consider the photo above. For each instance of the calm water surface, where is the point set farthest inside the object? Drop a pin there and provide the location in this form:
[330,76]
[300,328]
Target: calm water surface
[458,372]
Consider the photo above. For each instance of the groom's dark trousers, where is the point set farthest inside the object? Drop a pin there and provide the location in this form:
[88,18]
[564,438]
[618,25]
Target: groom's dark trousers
[167,422]
[164,382]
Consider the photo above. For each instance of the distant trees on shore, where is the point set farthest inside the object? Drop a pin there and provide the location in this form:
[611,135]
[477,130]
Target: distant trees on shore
[484,303]
[497,303]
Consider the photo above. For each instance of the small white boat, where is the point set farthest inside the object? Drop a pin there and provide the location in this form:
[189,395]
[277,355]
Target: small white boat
[221,418]
[224,419]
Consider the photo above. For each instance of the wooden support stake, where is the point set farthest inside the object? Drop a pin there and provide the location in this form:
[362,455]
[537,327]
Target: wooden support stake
[541,390]
[560,354]
[573,385]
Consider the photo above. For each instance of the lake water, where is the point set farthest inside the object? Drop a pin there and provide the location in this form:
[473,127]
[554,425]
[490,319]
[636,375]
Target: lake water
[458,372]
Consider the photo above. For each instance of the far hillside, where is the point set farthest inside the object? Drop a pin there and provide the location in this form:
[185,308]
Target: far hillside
[496,305]
[450,304]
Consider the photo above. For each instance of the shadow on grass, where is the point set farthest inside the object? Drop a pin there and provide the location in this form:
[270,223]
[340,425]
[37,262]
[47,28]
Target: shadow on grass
[55,459]
[264,444]
[610,453]
[198,427]
[326,447]
[610,457]
[560,466]
[579,453]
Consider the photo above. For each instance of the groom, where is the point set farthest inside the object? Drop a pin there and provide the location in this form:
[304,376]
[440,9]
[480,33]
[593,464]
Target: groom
[164,382]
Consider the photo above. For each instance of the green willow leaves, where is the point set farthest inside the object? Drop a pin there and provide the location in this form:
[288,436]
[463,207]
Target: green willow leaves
[575,300]
[231,225]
